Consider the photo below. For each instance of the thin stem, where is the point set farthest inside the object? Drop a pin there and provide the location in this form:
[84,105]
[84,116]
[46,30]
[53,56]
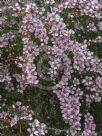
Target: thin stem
[54,129]
[20,132]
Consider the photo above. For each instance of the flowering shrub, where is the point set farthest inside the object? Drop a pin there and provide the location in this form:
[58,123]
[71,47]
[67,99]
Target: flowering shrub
[47,46]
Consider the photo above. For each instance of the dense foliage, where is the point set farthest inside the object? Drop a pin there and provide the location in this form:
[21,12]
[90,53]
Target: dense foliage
[50,71]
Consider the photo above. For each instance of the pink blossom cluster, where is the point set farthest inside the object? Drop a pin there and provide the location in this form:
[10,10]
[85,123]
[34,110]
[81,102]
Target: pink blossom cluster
[5,38]
[70,108]
[78,70]
[2,20]
[37,128]
[89,129]
[24,113]
[91,8]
